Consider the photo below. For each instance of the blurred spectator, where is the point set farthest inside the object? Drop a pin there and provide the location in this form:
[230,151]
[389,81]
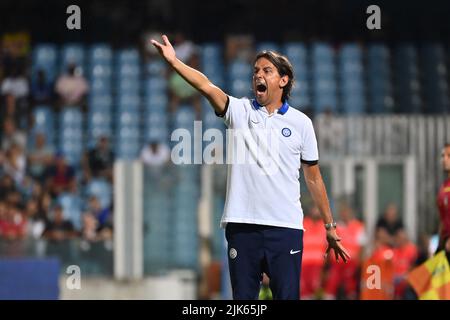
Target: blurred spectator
[14,163]
[12,222]
[72,203]
[12,135]
[381,257]
[6,186]
[89,227]
[40,156]
[184,48]
[44,203]
[59,176]
[41,90]
[314,246]
[98,162]
[390,221]
[382,246]
[346,274]
[71,87]
[405,256]
[58,228]
[3,209]
[155,153]
[424,250]
[103,215]
[181,92]
[15,90]
[92,231]
[36,219]
[239,47]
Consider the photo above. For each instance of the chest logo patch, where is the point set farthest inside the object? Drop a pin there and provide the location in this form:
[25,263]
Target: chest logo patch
[286,132]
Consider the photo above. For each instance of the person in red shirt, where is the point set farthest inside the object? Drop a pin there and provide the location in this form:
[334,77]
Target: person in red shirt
[346,275]
[12,223]
[405,255]
[381,257]
[60,176]
[443,203]
[314,245]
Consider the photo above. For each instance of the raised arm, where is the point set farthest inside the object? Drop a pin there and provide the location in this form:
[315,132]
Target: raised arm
[316,187]
[198,80]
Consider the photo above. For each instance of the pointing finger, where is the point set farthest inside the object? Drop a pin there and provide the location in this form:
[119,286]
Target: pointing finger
[166,40]
[156,43]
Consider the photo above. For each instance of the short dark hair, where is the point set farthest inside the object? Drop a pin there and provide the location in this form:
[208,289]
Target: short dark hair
[284,68]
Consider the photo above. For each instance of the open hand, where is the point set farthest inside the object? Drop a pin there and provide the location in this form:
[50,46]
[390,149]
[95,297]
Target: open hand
[165,50]
[335,244]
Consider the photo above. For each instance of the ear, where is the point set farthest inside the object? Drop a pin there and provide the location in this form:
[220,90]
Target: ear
[283,81]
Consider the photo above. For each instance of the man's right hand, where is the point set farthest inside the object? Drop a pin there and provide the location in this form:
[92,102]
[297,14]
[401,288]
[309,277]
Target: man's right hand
[165,50]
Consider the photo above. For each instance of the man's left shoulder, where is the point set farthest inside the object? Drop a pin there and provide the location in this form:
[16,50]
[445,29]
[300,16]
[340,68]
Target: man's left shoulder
[298,116]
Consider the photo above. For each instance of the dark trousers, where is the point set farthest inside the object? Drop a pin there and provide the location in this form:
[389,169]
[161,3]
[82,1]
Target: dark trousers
[254,249]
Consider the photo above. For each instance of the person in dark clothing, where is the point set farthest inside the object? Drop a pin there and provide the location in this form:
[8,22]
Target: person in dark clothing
[390,221]
[98,162]
[59,228]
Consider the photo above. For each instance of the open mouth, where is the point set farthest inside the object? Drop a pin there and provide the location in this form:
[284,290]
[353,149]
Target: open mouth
[261,88]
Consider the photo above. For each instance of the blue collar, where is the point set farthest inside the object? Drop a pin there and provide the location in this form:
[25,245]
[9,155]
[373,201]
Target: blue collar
[282,110]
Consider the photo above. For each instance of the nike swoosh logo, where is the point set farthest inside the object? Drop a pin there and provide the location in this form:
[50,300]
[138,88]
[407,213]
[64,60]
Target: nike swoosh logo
[294,252]
[255,122]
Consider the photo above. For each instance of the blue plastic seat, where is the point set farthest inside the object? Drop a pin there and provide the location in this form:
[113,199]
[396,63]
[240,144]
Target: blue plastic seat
[156,68]
[296,52]
[156,103]
[72,53]
[212,51]
[100,71]
[72,206]
[239,70]
[44,122]
[155,85]
[128,70]
[241,88]
[267,46]
[129,86]
[127,56]
[100,102]
[45,57]
[129,102]
[100,86]
[102,190]
[100,54]
[322,53]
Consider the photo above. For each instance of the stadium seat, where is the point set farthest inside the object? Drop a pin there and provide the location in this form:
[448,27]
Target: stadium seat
[129,102]
[100,54]
[157,102]
[127,57]
[102,190]
[156,68]
[267,46]
[45,57]
[72,53]
[72,208]
[71,134]
[239,70]
[44,122]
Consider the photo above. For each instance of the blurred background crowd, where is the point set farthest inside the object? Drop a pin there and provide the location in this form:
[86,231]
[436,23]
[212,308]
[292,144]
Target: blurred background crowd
[72,103]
